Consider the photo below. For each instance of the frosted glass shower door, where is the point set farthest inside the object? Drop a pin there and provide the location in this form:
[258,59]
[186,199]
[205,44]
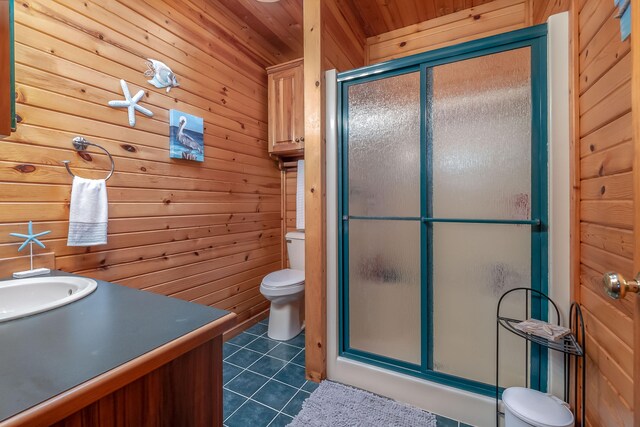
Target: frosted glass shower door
[383,208]
[480,168]
[443,208]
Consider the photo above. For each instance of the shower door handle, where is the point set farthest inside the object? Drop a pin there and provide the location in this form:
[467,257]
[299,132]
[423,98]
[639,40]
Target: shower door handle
[617,287]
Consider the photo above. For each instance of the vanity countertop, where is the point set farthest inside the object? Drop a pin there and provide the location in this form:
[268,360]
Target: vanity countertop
[44,355]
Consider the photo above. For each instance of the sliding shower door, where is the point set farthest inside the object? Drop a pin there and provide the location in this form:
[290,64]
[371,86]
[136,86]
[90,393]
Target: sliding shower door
[384,198]
[443,205]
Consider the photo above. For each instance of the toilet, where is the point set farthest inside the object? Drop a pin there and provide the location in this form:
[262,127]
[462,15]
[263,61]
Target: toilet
[285,290]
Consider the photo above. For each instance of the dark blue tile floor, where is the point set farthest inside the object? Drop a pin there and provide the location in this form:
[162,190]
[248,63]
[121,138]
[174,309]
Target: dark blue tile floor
[264,382]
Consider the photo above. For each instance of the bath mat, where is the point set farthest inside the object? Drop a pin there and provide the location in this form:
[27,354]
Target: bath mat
[337,405]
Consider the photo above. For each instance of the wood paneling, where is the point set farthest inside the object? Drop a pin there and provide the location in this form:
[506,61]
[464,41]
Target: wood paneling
[185,392]
[315,199]
[607,210]
[477,22]
[343,39]
[635,106]
[377,17]
[21,263]
[279,22]
[340,45]
[541,10]
[206,232]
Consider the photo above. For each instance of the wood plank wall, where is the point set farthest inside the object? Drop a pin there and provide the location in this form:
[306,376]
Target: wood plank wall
[541,10]
[343,37]
[340,45]
[606,210]
[205,232]
[481,21]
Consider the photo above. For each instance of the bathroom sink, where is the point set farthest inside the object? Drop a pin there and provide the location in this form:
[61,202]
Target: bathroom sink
[24,297]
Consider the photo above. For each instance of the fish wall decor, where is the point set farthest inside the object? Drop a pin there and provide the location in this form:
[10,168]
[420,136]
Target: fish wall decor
[162,75]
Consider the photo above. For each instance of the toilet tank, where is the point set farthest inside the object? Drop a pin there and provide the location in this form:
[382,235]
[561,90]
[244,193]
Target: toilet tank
[295,249]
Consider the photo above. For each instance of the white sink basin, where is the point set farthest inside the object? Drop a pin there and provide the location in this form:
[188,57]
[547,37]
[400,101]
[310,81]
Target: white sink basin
[24,297]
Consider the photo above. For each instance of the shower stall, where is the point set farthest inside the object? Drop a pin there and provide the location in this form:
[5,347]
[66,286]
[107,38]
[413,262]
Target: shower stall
[442,207]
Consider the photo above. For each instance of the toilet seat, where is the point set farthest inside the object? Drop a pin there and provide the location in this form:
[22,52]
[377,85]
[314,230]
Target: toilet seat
[282,278]
[283,282]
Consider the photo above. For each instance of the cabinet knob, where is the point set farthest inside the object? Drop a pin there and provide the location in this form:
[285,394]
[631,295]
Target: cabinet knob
[297,139]
[302,139]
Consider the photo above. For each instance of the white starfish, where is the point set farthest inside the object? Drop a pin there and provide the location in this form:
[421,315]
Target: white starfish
[130,103]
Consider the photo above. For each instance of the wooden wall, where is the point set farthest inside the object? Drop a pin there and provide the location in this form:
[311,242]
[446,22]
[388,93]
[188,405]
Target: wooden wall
[481,21]
[340,45]
[606,209]
[343,38]
[541,10]
[205,232]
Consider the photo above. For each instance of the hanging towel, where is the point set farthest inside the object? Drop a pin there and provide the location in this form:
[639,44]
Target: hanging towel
[89,212]
[300,196]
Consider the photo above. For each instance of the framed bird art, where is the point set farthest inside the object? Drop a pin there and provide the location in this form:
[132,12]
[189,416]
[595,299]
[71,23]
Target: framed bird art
[186,136]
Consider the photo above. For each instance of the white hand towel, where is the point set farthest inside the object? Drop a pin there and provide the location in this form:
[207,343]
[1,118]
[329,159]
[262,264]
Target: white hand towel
[89,213]
[300,196]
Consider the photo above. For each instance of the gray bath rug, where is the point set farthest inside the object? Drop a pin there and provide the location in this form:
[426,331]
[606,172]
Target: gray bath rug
[337,405]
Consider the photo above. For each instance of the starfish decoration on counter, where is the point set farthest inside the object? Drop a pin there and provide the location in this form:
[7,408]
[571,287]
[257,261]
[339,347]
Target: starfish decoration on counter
[131,103]
[30,238]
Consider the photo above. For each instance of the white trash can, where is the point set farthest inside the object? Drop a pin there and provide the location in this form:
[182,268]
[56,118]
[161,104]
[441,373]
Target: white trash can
[524,407]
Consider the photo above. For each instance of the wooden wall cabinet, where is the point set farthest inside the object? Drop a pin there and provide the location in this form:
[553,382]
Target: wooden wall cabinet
[7,92]
[286,108]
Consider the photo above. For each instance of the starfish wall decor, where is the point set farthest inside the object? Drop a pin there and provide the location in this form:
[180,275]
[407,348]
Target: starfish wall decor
[131,103]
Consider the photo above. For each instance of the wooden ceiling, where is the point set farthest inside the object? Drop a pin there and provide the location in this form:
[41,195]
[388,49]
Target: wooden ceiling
[278,25]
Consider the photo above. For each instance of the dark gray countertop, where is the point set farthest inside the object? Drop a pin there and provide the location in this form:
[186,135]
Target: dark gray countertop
[46,354]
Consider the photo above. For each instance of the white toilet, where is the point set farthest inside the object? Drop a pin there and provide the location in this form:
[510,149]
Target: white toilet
[285,290]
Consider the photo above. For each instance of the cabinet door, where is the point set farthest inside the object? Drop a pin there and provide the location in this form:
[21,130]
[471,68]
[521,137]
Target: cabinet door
[286,115]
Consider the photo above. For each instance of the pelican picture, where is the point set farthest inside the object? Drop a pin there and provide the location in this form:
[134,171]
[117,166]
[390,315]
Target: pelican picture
[186,136]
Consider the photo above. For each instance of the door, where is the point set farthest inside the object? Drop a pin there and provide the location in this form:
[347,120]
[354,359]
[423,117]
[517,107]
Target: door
[608,215]
[443,208]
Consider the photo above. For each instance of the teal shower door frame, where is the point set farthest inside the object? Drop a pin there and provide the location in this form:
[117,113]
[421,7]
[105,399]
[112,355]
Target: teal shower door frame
[536,39]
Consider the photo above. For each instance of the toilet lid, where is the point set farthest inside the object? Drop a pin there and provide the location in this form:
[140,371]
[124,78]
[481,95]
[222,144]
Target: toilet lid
[283,278]
[536,408]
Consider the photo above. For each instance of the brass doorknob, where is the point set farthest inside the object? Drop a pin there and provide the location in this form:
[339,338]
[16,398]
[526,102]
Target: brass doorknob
[617,287]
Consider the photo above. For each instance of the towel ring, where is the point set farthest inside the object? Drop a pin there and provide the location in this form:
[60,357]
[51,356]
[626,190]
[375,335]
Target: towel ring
[81,144]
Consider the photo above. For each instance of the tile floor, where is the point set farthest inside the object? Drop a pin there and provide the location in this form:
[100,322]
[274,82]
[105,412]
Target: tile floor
[264,383]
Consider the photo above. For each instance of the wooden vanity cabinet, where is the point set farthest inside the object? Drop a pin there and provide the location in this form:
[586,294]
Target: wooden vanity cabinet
[286,108]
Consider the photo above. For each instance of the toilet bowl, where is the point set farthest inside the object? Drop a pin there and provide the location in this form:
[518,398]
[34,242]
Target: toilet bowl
[285,290]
